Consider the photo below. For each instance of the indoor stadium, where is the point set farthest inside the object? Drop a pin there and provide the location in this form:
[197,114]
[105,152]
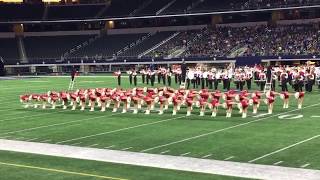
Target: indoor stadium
[159,89]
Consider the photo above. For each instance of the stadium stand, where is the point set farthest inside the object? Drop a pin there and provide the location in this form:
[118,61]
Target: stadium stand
[21,11]
[51,46]
[122,8]
[73,11]
[147,44]
[153,7]
[9,49]
[179,6]
[108,45]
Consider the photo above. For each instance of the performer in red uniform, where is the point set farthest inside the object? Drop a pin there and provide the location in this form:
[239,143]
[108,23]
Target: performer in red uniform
[92,98]
[73,97]
[25,99]
[64,97]
[228,105]
[214,104]
[285,97]
[269,101]
[44,99]
[299,96]
[244,106]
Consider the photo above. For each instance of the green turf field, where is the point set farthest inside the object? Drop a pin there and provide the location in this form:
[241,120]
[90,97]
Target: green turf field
[287,137]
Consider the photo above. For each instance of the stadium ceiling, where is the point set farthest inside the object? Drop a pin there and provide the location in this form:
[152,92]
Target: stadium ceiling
[159,16]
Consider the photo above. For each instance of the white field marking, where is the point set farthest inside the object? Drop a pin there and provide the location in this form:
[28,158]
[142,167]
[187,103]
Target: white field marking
[206,156]
[119,130]
[57,124]
[277,163]
[163,152]
[31,139]
[4,137]
[126,148]
[221,130]
[285,148]
[36,81]
[46,140]
[19,138]
[77,143]
[91,82]
[305,165]
[315,116]
[93,145]
[60,171]
[228,158]
[109,147]
[184,154]
[35,115]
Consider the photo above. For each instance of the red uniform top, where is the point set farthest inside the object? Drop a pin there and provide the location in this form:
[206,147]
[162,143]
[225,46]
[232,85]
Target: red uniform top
[216,95]
[73,96]
[103,98]
[82,98]
[215,102]
[162,99]
[244,103]
[35,96]
[92,97]
[24,97]
[285,94]
[301,94]
[204,95]
[64,96]
[229,103]
[175,100]
[255,100]
[189,102]
[148,99]
[203,101]
[270,99]
[44,97]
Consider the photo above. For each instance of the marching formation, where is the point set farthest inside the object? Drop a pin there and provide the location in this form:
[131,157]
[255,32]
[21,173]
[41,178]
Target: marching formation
[299,77]
[147,99]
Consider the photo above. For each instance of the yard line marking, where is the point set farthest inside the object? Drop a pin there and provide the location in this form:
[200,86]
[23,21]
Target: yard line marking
[305,165]
[47,140]
[315,116]
[206,156]
[77,143]
[109,147]
[19,138]
[185,154]
[119,130]
[60,171]
[223,129]
[126,148]
[163,152]
[228,158]
[279,162]
[35,115]
[93,145]
[57,124]
[4,137]
[285,148]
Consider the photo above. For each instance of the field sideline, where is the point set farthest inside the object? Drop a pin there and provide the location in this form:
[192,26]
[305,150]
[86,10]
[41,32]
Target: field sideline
[287,138]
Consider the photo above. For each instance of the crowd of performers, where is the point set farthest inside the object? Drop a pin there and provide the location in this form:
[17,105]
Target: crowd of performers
[299,77]
[162,98]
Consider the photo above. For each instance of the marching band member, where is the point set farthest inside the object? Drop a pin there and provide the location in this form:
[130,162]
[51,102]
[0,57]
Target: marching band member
[262,80]
[134,75]
[284,81]
[118,75]
[130,76]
